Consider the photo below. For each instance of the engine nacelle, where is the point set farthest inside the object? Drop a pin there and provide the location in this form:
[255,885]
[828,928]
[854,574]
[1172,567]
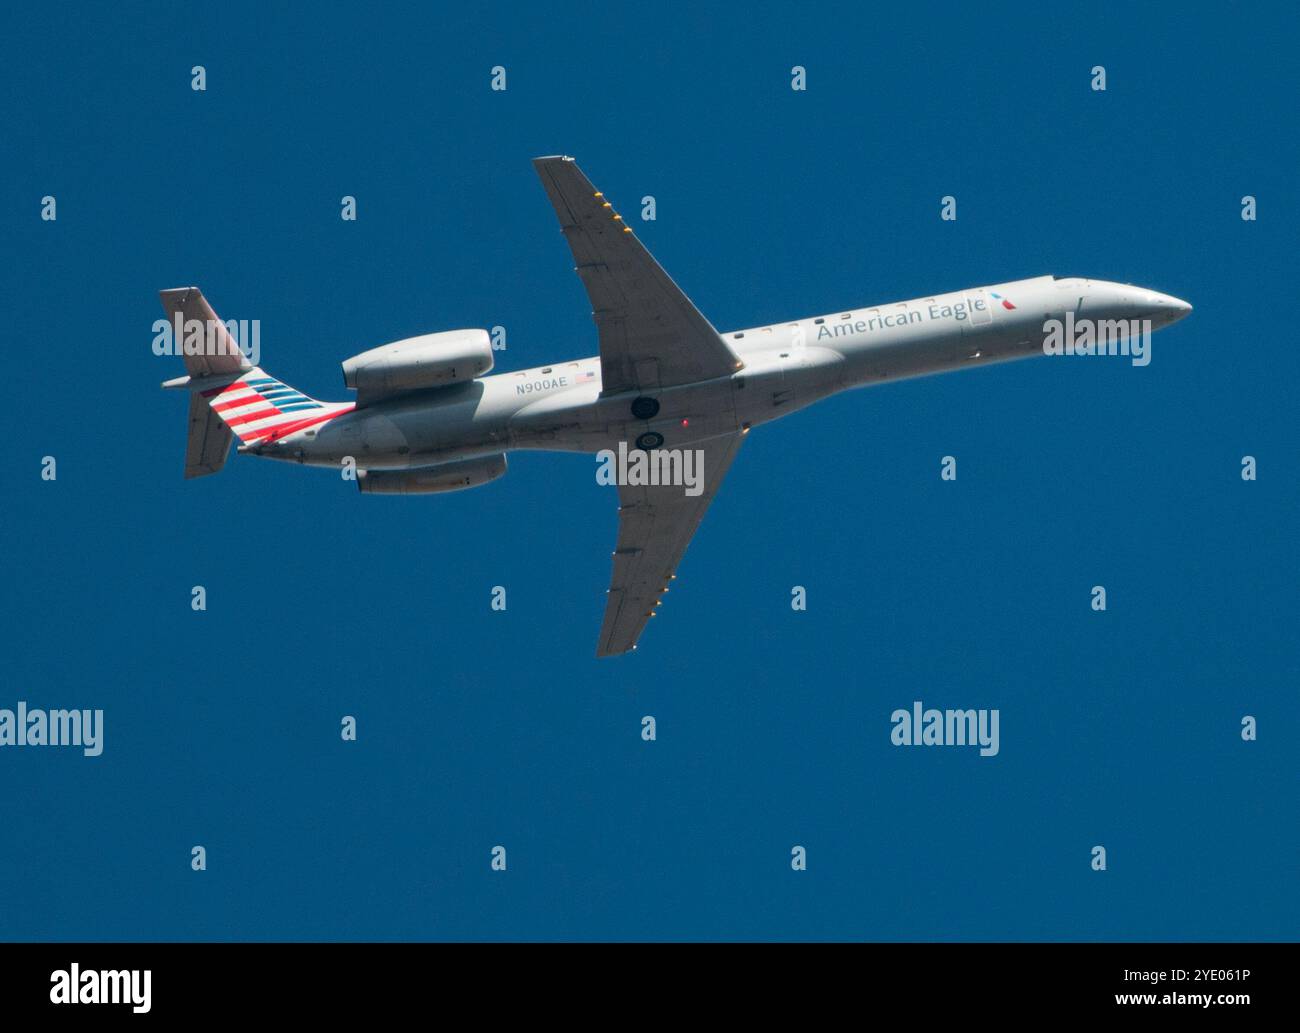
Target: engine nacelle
[433,360]
[464,473]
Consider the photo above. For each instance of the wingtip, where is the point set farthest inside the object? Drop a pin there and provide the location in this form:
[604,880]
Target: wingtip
[176,292]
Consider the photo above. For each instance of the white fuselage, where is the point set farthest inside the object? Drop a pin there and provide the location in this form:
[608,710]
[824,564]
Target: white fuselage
[786,366]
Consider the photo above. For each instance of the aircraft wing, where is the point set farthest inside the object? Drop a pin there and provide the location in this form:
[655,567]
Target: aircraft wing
[651,336]
[655,525]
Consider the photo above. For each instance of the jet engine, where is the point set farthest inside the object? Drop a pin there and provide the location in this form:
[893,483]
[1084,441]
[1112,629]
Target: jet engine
[433,360]
[464,473]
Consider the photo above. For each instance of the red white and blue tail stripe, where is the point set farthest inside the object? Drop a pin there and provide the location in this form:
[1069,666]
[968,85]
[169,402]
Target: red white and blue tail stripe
[261,409]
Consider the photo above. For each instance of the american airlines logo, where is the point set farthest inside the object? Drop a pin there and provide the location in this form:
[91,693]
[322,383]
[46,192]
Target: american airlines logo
[102,986]
[905,315]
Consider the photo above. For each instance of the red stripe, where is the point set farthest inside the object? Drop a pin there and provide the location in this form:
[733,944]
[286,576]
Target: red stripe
[226,406]
[238,385]
[281,429]
[253,417]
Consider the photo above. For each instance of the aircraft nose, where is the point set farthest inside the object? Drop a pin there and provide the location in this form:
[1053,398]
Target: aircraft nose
[1169,309]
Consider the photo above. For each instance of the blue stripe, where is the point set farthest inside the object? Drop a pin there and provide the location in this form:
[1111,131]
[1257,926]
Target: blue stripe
[295,408]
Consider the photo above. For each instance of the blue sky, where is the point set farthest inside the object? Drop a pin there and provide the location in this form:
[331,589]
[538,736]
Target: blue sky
[479,728]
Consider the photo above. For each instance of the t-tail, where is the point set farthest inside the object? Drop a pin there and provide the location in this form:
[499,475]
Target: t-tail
[229,396]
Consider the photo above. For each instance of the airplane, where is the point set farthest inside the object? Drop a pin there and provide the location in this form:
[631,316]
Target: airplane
[428,418]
